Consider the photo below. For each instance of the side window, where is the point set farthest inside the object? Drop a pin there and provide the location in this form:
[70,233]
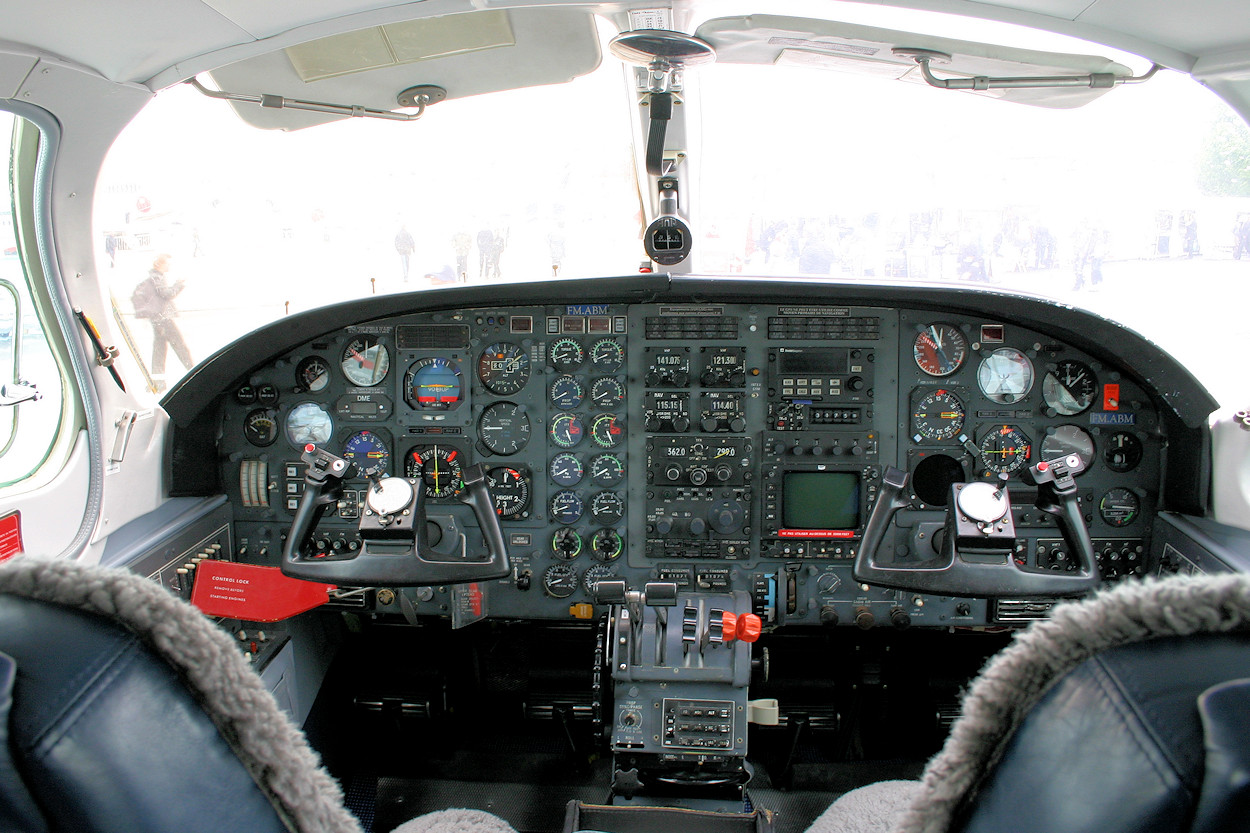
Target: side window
[31,387]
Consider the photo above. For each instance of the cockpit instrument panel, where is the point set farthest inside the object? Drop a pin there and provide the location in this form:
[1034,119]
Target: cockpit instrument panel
[719,446]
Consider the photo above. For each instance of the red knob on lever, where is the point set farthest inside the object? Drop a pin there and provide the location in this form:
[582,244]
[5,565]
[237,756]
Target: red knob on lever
[728,627]
[749,627]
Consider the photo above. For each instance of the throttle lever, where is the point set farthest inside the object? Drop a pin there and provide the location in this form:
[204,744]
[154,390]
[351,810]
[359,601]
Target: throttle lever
[1057,495]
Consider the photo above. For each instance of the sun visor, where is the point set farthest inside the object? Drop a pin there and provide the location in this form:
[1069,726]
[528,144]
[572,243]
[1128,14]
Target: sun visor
[866,50]
[465,54]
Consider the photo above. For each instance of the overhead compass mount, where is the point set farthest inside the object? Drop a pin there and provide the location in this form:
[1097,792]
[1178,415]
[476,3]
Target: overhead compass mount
[665,54]
[420,97]
[1094,80]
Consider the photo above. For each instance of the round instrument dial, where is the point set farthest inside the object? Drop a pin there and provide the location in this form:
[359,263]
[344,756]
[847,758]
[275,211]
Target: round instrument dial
[504,428]
[606,393]
[606,470]
[1119,507]
[607,430]
[566,393]
[566,469]
[566,544]
[504,368]
[245,395]
[940,349]
[367,450]
[1004,449]
[260,427]
[366,361]
[438,467]
[1068,439]
[607,355]
[939,415]
[566,354]
[1070,388]
[566,430]
[596,574]
[307,423]
[312,374]
[606,545]
[567,506]
[433,384]
[560,581]
[511,492]
[607,508]
[1123,452]
[1005,376]
[267,394]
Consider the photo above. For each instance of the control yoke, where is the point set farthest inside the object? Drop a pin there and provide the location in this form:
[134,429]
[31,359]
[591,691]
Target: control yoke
[978,552]
[392,531]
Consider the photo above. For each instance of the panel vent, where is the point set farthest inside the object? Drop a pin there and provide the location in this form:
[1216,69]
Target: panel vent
[432,336]
[1012,611]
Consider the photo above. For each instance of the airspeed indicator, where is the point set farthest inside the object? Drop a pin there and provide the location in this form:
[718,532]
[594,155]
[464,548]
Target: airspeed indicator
[940,349]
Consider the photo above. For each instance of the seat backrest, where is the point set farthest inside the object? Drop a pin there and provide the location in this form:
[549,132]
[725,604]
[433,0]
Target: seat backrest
[1127,713]
[126,709]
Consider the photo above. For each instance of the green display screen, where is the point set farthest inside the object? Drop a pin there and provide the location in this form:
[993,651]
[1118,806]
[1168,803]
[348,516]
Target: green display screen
[820,500]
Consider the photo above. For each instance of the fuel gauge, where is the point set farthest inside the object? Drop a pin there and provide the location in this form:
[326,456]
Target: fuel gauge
[567,506]
[560,581]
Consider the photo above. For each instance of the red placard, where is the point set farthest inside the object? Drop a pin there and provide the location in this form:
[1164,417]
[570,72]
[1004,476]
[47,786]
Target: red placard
[11,536]
[252,593]
[1111,397]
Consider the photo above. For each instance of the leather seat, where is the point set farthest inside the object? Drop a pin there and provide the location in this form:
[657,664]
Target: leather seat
[1143,738]
[104,736]
[122,708]
[1126,713]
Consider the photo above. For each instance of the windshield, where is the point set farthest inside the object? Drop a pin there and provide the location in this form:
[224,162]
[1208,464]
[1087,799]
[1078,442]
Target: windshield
[515,186]
[1140,195]
[795,171]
